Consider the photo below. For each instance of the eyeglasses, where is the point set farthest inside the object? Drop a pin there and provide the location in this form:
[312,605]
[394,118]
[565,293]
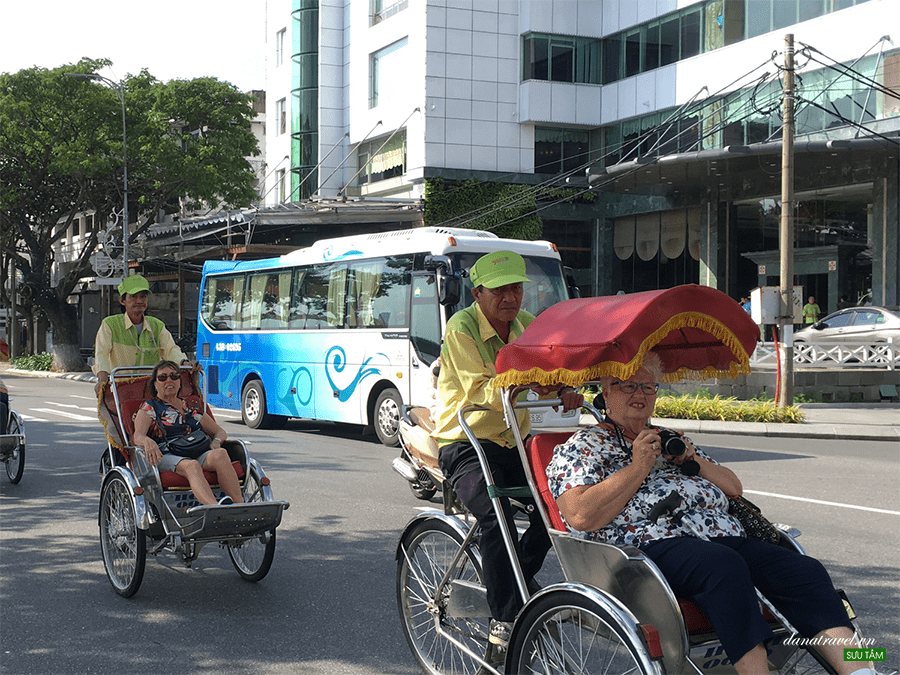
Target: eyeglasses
[629,387]
[169,376]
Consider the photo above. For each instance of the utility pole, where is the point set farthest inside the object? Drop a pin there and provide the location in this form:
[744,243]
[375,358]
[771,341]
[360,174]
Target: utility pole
[786,239]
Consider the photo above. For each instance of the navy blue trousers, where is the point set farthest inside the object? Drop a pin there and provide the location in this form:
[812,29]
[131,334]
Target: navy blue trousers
[719,575]
[460,465]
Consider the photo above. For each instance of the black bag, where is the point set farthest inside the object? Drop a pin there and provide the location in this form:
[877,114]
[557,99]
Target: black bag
[190,446]
[752,520]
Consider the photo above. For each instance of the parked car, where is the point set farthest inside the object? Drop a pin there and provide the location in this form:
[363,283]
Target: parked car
[854,325]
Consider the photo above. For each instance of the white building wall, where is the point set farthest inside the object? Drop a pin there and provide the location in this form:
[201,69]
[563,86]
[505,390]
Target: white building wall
[463,72]
[278,86]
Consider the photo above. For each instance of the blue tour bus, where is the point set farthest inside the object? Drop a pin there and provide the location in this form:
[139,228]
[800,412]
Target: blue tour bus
[346,329]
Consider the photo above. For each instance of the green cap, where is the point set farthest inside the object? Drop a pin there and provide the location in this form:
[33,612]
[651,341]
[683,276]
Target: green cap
[134,284]
[498,269]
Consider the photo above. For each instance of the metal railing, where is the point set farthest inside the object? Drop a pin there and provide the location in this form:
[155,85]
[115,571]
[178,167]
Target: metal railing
[875,355]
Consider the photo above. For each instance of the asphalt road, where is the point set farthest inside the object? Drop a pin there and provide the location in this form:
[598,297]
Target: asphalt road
[328,605]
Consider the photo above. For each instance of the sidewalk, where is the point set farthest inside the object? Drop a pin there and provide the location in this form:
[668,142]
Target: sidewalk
[854,421]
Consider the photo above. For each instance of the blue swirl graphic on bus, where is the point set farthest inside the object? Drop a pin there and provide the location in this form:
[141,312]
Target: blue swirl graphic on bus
[328,254]
[299,380]
[338,364]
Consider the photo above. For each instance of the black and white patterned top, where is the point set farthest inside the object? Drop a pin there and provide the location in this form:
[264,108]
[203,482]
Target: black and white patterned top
[593,455]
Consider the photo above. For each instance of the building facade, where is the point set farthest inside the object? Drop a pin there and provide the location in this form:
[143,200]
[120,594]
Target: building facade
[663,119]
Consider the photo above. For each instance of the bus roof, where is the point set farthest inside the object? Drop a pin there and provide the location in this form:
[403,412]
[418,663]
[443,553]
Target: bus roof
[434,240]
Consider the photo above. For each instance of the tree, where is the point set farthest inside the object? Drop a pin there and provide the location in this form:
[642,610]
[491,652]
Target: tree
[61,155]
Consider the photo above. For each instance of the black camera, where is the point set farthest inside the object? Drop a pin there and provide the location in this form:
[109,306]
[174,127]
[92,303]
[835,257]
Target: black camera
[672,444]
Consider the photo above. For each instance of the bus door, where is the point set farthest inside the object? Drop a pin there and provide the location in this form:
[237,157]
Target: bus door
[424,336]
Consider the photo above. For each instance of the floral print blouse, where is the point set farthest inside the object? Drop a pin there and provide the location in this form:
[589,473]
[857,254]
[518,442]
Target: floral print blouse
[594,454]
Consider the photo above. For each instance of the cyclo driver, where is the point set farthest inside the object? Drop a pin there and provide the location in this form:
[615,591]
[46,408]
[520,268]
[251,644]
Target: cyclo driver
[473,338]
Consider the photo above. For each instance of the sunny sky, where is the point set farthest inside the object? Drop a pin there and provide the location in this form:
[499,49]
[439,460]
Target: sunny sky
[172,39]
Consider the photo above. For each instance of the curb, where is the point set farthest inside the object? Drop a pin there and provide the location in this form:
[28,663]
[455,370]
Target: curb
[46,374]
[856,432]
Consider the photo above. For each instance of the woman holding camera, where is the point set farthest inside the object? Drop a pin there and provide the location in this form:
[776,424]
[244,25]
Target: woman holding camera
[606,479]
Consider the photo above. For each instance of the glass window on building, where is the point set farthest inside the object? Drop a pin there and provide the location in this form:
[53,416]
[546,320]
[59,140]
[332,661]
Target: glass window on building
[387,71]
[279,46]
[558,150]
[561,58]
[385,9]
[281,117]
[382,159]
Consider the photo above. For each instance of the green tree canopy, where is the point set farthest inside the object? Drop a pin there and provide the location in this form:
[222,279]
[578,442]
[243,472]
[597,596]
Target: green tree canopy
[61,155]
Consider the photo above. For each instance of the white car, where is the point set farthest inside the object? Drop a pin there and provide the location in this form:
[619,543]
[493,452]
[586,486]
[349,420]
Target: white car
[855,325]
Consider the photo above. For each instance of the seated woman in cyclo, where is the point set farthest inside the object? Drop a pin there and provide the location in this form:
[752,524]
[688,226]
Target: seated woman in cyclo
[166,417]
[606,479]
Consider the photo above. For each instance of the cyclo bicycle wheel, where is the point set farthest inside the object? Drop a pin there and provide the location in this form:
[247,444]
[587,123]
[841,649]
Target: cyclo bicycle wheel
[566,632]
[15,465]
[252,557]
[426,554]
[122,542]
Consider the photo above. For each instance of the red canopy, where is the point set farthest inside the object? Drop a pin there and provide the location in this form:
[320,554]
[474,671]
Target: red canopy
[698,332]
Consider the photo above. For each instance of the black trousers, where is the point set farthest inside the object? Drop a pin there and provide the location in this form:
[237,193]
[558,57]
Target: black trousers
[4,412]
[460,465]
[719,575]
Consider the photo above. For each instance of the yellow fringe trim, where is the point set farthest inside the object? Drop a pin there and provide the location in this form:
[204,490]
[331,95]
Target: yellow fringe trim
[699,320]
[105,416]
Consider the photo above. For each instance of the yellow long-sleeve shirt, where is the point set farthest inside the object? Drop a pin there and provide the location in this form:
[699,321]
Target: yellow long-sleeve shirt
[118,344]
[467,377]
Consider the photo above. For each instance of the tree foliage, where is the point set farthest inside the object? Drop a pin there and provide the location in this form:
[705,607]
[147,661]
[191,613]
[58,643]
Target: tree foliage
[61,156]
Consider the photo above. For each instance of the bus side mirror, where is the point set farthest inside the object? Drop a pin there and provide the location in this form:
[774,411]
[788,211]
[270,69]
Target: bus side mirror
[451,290]
[574,291]
[450,284]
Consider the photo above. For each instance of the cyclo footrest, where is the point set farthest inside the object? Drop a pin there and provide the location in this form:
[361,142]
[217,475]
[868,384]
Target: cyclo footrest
[235,520]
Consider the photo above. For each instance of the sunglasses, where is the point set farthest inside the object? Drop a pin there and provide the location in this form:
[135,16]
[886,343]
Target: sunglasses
[168,376]
[629,387]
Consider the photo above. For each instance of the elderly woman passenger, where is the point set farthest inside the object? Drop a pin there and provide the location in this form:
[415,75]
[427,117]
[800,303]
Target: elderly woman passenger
[605,480]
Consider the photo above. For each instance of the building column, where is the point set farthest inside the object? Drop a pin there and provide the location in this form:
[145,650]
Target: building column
[715,245]
[604,258]
[884,234]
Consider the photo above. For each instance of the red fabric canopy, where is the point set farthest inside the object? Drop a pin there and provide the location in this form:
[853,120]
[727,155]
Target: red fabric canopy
[698,332]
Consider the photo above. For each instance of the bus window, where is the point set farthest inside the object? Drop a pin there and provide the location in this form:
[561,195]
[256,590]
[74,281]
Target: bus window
[299,306]
[221,300]
[252,308]
[315,297]
[336,308]
[274,305]
[424,320]
[378,294]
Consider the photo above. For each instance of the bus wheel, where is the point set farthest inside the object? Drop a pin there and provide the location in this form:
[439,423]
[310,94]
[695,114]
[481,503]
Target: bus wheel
[387,417]
[253,408]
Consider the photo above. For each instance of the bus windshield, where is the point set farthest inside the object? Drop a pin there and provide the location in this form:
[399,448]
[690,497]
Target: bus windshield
[545,288]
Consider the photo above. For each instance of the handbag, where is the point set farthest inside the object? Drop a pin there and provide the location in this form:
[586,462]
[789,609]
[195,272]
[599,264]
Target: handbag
[750,516]
[190,446]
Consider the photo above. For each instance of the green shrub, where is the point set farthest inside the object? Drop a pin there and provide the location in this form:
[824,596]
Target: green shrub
[41,361]
[725,409]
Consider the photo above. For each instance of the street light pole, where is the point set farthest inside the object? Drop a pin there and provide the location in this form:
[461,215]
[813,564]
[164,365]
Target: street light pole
[119,88]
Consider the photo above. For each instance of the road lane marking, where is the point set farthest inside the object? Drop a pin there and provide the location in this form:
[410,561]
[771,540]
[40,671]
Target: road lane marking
[819,501]
[29,418]
[70,405]
[63,413]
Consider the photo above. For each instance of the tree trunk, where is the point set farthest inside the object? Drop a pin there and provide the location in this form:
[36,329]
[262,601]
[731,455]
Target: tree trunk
[66,350]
